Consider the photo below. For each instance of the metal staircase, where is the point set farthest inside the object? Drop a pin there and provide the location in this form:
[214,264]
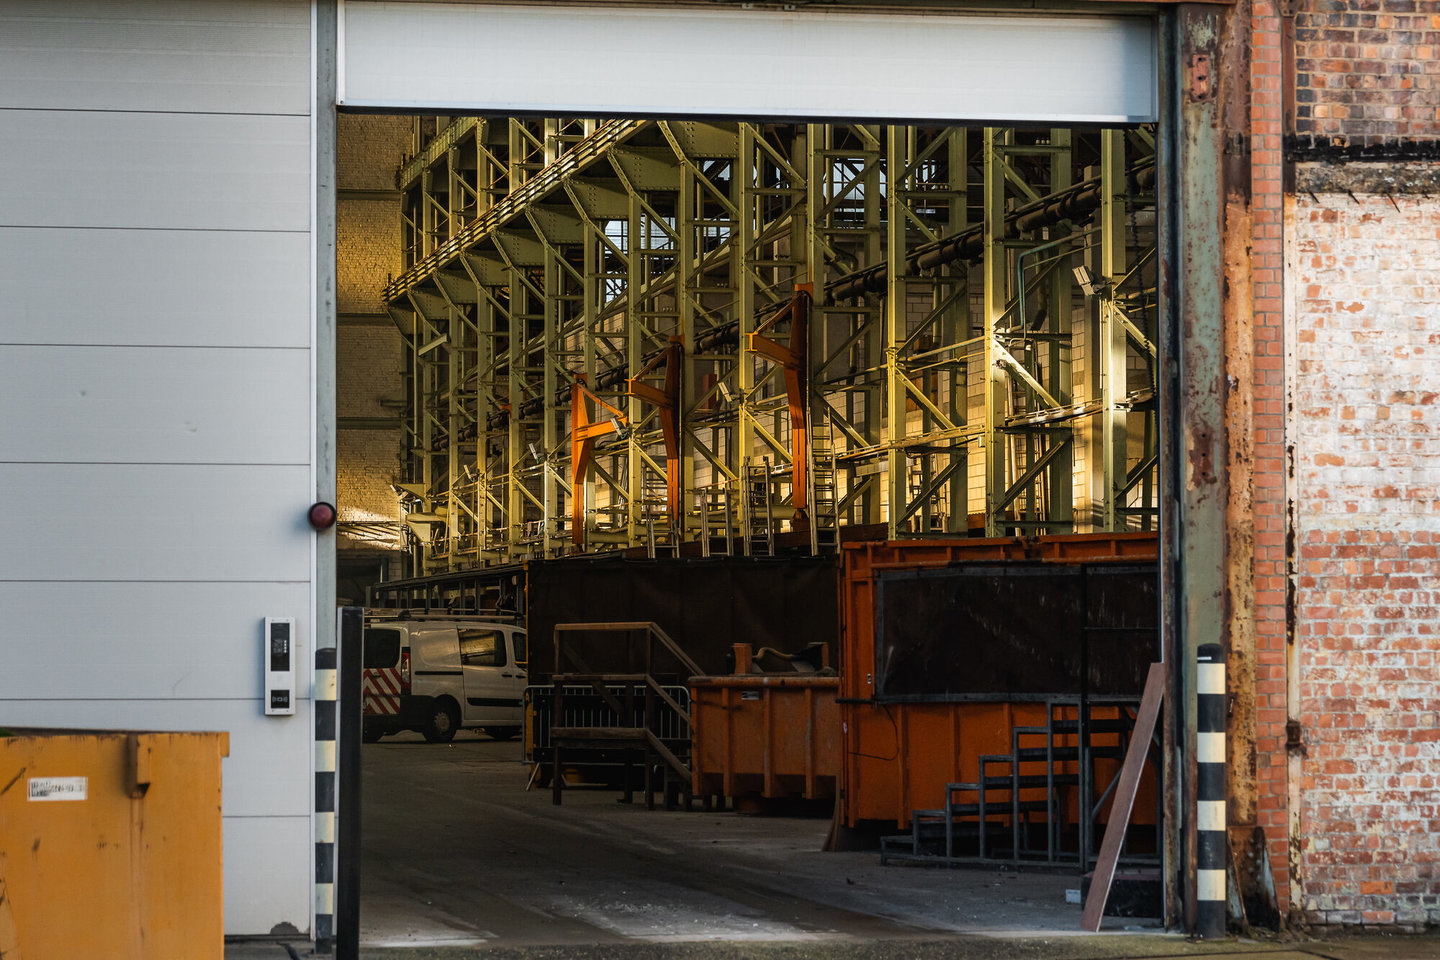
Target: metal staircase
[1015,811]
[644,720]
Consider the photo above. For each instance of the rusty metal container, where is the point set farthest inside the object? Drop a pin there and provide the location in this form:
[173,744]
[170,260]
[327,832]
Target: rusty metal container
[897,757]
[772,736]
[111,844]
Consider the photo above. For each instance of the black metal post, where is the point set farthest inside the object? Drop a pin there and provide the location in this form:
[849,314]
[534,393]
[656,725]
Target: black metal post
[351,638]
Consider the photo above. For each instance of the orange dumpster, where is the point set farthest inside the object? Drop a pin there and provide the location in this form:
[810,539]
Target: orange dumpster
[767,735]
[899,756]
[110,844]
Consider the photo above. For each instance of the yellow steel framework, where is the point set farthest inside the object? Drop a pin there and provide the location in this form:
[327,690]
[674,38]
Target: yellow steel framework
[634,332]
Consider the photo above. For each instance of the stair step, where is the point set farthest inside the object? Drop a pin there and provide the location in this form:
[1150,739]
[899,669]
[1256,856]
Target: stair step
[1032,780]
[1096,726]
[1057,754]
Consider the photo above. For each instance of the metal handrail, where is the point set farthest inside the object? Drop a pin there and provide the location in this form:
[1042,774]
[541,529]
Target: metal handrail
[513,204]
[652,630]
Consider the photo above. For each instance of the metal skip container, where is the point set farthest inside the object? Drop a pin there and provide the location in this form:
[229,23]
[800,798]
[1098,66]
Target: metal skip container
[771,736]
[110,844]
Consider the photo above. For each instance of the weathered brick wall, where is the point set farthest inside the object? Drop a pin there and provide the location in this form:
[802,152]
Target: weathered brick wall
[1367,71]
[1364,282]
[371,461]
[370,149]
[368,347]
[367,244]
[369,364]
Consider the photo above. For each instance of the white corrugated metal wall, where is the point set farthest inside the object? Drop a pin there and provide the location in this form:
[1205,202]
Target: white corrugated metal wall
[156,418]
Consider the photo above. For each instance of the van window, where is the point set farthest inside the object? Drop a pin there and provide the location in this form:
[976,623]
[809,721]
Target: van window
[481,648]
[382,648]
[522,655]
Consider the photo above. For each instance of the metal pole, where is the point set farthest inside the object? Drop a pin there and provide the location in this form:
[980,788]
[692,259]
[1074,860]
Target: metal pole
[1210,792]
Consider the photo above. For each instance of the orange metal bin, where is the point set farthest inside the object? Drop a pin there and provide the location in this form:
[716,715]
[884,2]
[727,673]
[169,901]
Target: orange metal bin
[768,735]
[899,756]
[111,844]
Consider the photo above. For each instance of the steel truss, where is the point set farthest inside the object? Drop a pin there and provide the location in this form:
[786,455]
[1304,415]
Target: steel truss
[625,332]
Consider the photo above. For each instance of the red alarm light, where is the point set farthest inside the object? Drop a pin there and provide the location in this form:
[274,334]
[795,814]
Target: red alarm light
[322,516]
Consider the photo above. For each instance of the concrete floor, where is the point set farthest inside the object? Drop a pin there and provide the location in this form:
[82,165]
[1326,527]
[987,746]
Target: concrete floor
[461,862]
[458,853]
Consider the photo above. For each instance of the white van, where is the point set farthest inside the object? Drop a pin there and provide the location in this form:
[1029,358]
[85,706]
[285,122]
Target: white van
[437,676]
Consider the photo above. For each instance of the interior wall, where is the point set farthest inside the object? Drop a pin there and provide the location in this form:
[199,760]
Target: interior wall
[156,422]
[369,361]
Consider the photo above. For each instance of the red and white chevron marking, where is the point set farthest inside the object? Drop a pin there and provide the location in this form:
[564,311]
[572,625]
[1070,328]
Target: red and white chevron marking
[381,689]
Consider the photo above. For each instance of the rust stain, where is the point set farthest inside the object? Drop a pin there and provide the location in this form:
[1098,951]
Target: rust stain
[1239,407]
[1200,455]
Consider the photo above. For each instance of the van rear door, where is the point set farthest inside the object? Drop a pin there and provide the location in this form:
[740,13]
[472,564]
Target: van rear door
[382,682]
[491,696]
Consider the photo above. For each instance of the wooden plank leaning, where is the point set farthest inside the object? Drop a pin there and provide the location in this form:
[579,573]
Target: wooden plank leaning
[1124,798]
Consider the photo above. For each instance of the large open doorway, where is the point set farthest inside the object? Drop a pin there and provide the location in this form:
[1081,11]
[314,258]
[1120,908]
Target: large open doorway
[748,380]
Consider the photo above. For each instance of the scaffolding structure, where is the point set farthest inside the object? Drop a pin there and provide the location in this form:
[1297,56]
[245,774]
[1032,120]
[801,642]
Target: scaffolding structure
[637,332]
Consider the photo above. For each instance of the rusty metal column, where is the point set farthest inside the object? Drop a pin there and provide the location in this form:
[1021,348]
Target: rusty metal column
[1195,599]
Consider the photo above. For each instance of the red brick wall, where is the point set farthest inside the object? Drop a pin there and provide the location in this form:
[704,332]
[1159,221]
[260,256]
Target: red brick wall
[1367,71]
[1268,433]
[1364,276]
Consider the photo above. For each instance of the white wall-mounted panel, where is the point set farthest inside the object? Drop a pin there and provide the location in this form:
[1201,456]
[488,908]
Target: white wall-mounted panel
[178,287]
[155,170]
[267,882]
[595,60]
[77,404]
[155,522]
[268,771]
[230,56]
[147,641]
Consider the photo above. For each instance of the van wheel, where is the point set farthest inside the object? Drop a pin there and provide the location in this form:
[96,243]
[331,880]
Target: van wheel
[444,721]
[502,733]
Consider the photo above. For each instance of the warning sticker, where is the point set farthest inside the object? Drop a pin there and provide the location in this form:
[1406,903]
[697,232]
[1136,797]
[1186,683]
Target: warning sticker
[58,788]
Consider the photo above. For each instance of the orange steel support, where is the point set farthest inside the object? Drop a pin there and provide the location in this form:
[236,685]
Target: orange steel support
[897,757]
[583,434]
[793,359]
[667,400]
[110,844]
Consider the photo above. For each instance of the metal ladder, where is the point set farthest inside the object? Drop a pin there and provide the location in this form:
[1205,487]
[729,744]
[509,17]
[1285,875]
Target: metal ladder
[824,501]
[662,533]
[714,505]
[758,517]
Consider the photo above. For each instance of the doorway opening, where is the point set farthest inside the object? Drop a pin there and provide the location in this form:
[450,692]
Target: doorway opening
[853,427]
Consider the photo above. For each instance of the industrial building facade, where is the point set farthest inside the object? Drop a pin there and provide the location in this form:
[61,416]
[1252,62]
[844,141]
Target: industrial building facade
[1261,394]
